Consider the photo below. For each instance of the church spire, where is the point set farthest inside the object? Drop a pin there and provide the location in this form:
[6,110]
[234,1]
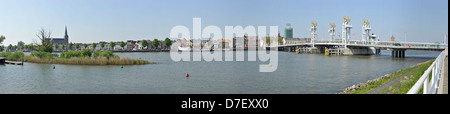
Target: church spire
[66,32]
[66,37]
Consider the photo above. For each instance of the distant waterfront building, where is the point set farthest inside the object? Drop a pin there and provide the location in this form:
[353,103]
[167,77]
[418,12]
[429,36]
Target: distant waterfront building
[288,41]
[392,38]
[288,32]
[59,41]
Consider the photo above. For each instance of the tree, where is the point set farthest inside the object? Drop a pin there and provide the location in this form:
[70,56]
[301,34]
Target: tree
[63,46]
[102,45]
[112,45]
[46,46]
[77,46]
[144,43]
[168,42]
[2,38]
[280,40]
[26,47]
[70,46]
[122,44]
[56,47]
[94,45]
[32,47]
[10,47]
[155,43]
[267,41]
[85,45]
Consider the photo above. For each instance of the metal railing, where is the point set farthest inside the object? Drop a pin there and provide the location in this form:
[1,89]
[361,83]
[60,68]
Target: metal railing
[430,86]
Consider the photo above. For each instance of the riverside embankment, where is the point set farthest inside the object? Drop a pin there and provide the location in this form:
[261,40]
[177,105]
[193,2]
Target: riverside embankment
[397,82]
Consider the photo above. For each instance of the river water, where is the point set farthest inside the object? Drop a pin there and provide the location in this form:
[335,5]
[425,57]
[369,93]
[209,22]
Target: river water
[296,74]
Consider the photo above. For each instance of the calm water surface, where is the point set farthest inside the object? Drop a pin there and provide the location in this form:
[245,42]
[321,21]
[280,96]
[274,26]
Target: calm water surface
[296,74]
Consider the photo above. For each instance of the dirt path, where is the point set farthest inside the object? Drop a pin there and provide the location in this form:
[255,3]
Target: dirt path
[386,85]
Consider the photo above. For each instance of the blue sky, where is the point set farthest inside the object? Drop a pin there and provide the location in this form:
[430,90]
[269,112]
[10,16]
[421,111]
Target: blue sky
[119,20]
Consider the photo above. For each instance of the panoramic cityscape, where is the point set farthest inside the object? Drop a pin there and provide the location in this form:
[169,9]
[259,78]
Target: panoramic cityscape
[146,50]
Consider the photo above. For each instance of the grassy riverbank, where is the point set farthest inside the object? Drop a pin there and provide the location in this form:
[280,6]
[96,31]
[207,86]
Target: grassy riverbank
[84,57]
[398,82]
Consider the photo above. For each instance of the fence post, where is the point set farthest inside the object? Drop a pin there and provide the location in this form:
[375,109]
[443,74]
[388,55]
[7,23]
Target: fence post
[425,86]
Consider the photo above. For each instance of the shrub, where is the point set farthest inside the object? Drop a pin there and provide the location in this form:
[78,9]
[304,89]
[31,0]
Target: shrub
[70,54]
[86,53]
[16,56]
[5,54]
[41,54]
[48,48]
[106,54]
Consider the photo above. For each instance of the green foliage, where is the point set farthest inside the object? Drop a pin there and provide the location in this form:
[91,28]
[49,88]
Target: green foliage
[77,46]
[47,48]
[112,45]
[268,40]
[16,56]
[69,46]
[10,47]
[70,54]
[2,38]
[102,44]
[106,54]
[56,46]
[94,45]
[406,81]
[122,44]
[167,42]
[63,46]
[5,54]
[85,46]
[87,53]
[155,43]
[42,54]
[144,43]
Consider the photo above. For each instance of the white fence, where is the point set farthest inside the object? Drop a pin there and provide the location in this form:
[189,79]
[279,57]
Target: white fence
[430,86]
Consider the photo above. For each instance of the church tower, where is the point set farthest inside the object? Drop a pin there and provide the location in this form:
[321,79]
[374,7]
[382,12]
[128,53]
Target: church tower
[66,37]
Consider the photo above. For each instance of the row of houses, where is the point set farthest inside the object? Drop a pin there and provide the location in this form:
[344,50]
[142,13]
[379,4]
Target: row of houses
[248,41]
[129,45]
[136,45]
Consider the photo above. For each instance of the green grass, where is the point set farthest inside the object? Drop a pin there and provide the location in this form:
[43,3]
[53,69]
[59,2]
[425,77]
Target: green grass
[408,80]
[413,74]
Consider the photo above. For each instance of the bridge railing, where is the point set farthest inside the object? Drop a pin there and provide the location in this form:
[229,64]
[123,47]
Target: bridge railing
[409,44]
[378,43]
[430,86]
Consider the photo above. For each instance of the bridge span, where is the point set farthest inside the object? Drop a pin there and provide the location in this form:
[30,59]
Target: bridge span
[362,47]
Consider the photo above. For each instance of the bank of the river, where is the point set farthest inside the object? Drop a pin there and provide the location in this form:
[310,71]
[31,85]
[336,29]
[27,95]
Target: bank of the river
[86,61]
[398,82]
[84,57]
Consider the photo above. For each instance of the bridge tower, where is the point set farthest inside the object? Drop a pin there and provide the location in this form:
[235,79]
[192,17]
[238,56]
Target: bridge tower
[313,33]
[346,26]
[332,31]
[366,31]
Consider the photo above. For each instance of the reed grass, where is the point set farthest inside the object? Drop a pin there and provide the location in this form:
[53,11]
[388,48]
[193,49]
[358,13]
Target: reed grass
[87,61]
